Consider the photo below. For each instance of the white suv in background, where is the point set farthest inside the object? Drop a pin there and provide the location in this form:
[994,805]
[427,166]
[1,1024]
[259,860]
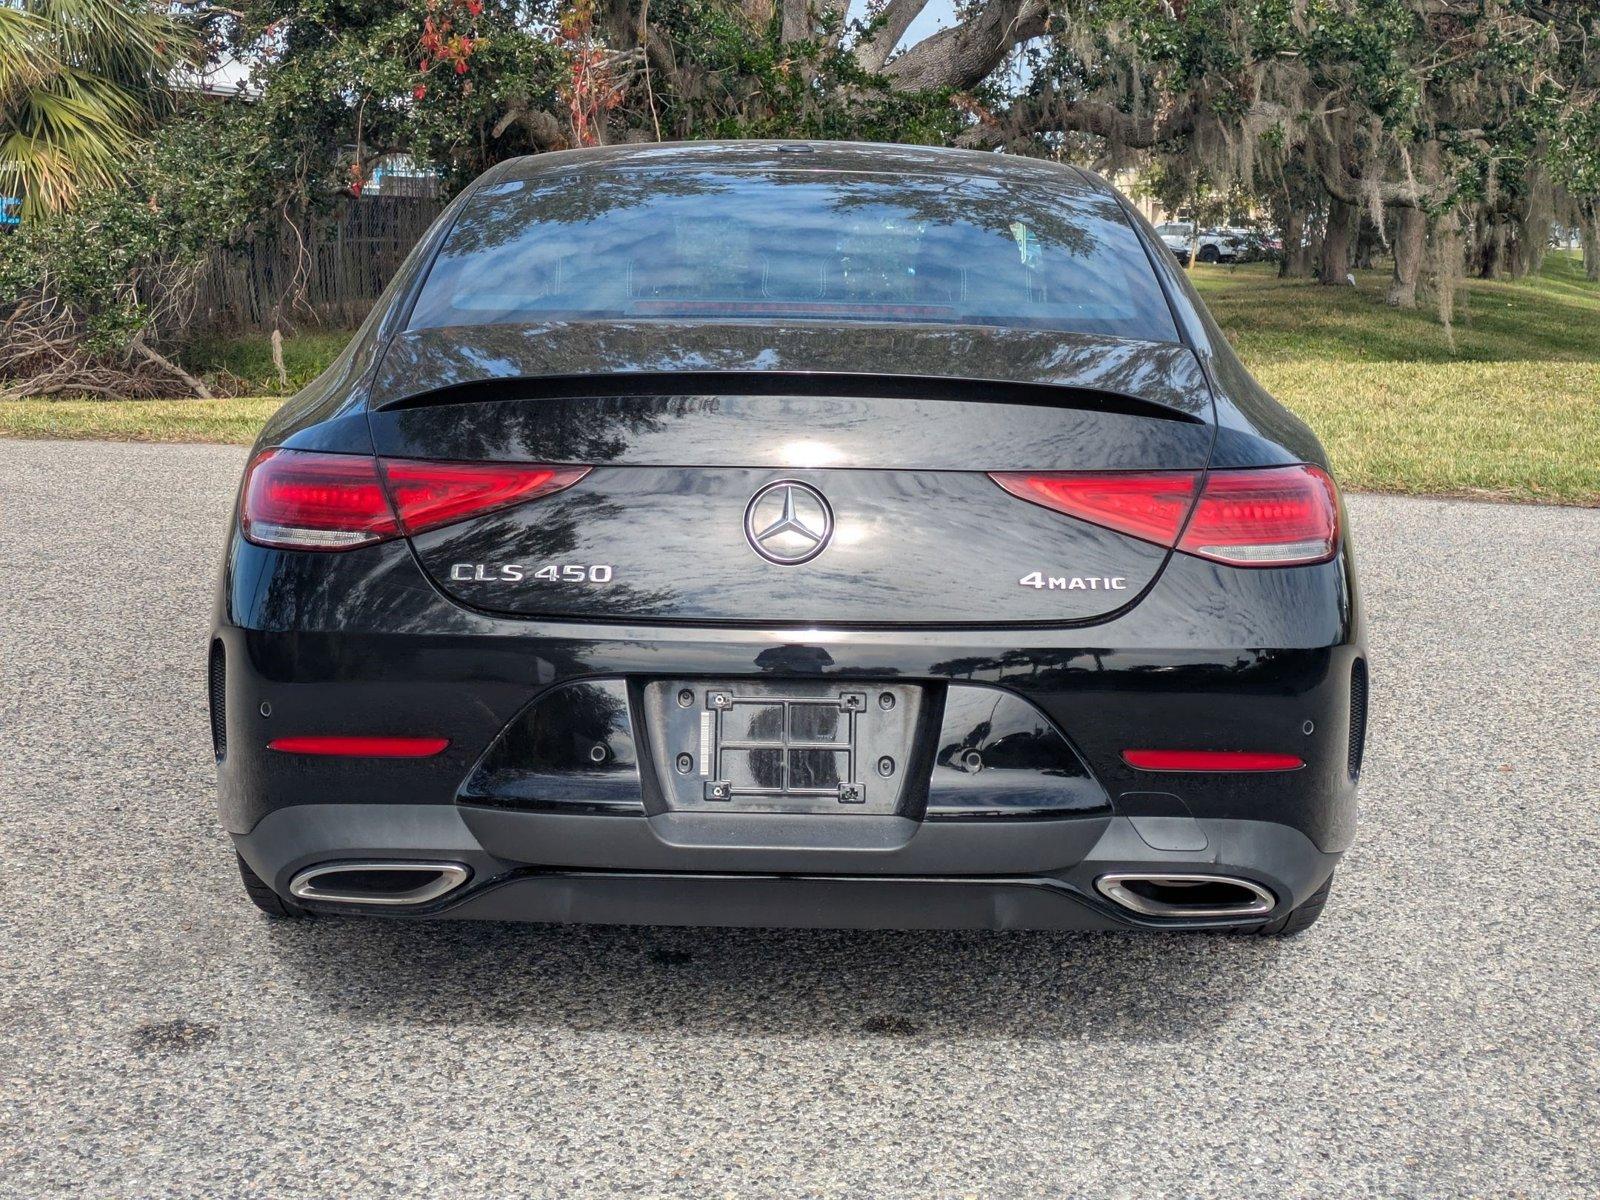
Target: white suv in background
[1215,245]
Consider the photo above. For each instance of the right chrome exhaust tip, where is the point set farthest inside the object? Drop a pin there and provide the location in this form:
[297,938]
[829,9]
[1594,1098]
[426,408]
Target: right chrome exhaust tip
[1166,895]
[396,884]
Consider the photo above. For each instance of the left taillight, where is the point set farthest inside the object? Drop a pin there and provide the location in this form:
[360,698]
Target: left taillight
[309,500]
[299,500]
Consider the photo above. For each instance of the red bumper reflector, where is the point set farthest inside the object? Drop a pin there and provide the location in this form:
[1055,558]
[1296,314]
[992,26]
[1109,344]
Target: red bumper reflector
[361,747]
[1210,760]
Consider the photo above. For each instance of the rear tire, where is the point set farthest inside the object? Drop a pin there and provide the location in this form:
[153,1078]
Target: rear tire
[264,898]
[1299,919]
[1209,254]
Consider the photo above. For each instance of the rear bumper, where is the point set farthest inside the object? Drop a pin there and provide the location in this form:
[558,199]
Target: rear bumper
[362,644]
[562,875]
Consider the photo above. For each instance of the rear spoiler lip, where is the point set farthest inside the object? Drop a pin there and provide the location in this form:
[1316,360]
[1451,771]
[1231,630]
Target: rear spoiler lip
[843,384]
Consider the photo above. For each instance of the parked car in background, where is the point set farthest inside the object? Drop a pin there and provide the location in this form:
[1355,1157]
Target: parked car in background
[1215,245]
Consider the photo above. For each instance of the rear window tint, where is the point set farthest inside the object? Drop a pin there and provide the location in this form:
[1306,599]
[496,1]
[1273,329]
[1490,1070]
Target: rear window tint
[794,246]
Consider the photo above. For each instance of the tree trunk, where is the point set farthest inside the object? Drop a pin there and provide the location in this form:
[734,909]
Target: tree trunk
[1336,244]
[1591,242]
[1492,250]
[1367,242]
[965,54]
[1294,233]
[1535,243]
[1306,258]
[1309,252]
[1409,240]
[1525,242]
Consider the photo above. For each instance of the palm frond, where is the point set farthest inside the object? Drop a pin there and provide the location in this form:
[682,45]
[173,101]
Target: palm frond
[79,81]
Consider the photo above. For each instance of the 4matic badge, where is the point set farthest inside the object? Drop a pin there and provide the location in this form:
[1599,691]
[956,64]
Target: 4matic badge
[1074,583]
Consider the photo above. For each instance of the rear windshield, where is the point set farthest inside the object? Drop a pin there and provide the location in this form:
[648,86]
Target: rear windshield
[800,245]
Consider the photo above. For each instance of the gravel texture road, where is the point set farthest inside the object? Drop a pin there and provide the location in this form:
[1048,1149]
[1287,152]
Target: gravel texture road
[1436,1034]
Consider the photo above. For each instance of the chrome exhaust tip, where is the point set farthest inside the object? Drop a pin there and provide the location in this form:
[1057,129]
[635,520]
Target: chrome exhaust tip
[1161,895]
[395,884]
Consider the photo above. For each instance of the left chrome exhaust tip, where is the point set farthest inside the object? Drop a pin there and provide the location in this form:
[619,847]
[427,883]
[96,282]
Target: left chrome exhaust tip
[394,884]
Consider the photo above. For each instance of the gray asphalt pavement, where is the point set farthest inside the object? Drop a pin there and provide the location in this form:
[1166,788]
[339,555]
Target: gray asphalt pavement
[1435,1035]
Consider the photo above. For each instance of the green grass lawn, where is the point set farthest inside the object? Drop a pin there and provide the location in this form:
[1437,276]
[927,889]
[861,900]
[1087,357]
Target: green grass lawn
[242,366]
[1504,405]
[233,420]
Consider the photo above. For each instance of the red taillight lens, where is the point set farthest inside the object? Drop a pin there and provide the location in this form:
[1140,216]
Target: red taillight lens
[429,494]
[1277,517]
[1146,504]
[1269,517]
[303,500]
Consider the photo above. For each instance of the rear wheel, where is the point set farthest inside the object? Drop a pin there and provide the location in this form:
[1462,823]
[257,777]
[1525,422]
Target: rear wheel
[263,897]
[1298,919]
[1209,254]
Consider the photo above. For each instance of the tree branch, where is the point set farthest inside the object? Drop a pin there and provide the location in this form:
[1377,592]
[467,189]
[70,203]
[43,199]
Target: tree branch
[144,351]
[1049,113]
[542,127]
[964,55]
[802,20]
[1391,193]
[896,16]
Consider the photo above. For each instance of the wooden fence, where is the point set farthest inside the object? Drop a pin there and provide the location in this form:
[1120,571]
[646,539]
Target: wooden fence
[347,258]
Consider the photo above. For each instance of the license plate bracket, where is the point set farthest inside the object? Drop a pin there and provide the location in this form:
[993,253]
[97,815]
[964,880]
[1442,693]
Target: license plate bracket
[803,746]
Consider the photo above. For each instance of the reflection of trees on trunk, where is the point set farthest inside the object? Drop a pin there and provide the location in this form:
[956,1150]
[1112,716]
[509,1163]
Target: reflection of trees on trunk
[428,360]
[533,535]
[1046,670]
[375,589]
[1038,669]
[586,430]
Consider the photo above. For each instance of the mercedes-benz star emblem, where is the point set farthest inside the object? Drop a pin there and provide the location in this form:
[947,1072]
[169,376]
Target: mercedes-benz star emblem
[788,522]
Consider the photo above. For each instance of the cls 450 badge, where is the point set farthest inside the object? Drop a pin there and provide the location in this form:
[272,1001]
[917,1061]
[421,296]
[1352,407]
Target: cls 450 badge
[517,572]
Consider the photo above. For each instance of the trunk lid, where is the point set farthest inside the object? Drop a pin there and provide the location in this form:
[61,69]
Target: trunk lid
[704,441]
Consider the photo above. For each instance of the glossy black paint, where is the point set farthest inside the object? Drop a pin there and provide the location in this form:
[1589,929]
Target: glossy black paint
[889,421]
[363,642]
[997,757]
[935,548]
[571,750]
[946,360]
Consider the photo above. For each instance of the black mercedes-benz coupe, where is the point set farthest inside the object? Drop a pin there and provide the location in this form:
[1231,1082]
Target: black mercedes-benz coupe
[790,534]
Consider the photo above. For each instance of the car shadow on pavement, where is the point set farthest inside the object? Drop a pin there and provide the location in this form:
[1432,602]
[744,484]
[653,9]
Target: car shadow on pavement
[821,983]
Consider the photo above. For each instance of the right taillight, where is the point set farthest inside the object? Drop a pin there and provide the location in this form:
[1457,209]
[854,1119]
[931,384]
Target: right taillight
[1265,517]
[1272,517]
